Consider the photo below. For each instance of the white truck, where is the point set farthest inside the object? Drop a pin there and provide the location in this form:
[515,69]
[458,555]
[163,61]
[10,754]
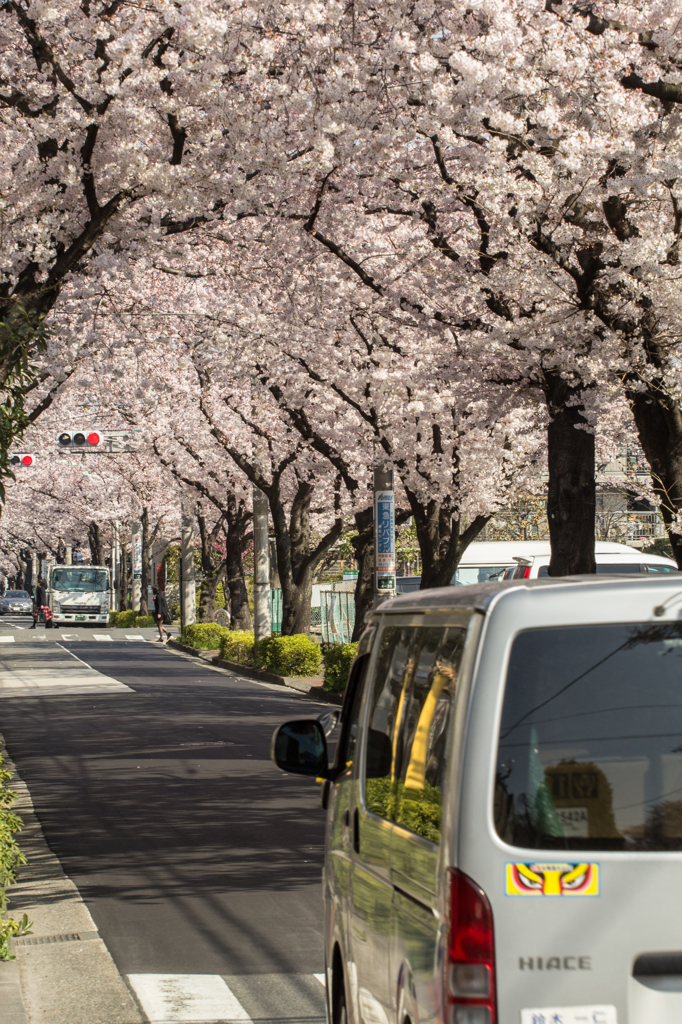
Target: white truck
[79,594]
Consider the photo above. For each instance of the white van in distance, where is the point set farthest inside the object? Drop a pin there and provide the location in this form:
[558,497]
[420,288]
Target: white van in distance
[529,559]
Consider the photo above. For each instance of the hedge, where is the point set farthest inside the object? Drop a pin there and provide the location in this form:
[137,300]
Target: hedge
[130,619]
[204,636]
[237,645]
[10,859]
[338,659]
[286,655]
[123,620]
[290,655]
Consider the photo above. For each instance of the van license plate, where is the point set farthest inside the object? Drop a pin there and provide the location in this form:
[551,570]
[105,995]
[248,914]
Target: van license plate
[79,618]
[570,1015]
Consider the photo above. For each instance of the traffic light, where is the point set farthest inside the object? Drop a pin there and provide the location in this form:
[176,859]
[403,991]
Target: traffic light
[79,438]
[21,459]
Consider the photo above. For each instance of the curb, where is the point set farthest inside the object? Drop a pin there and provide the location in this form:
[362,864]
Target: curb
[63,972]
[308,686]
[301,683]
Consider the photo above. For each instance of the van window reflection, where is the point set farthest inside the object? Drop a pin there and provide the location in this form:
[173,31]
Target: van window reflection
[411,700]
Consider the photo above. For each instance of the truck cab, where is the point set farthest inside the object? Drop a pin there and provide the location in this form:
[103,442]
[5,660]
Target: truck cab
[79,594]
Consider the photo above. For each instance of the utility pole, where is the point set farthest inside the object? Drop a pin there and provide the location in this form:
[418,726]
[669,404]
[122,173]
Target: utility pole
[261,567]
[68,557]
[384,536]
[114,566]
[188,594]
[137,565]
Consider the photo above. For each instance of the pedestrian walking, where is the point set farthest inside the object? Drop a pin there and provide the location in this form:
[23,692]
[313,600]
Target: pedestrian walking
[161,614]
[41,601]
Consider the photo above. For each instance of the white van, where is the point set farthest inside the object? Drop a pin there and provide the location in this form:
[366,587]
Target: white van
[528,559]
[504,810]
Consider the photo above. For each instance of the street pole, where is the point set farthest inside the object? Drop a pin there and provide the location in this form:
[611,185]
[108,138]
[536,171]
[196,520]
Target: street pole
[68,557]
[187,584]
[113,604]
[261,567]
[384,536]
[137,565]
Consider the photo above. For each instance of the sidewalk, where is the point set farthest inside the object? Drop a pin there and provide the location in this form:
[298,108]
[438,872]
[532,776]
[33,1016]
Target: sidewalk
[63,972]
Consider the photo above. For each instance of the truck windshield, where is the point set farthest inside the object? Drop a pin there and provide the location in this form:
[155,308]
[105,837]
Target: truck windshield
[80,579]
[590,748]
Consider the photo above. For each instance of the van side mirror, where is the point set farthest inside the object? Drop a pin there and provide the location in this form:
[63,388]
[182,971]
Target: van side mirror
[300,748]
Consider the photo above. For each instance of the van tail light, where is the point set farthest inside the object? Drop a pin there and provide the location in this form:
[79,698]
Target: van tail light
[470,966]
[526,572]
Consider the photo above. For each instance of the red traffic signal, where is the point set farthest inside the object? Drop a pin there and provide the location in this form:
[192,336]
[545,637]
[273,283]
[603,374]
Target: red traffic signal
[79,438]
[21,459]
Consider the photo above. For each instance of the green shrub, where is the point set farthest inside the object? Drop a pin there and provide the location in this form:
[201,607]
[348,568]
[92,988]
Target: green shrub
[290,655]
[143,621]
[237,645]
[123,620]
[338,659]
[10,859]
[205,636]
[175,611]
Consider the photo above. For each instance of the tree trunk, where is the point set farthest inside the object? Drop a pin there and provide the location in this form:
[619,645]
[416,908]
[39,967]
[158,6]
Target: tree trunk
[146,567]
[24,581]
[363,550]
[95,542]
[297,557]
[296,603]
[236,539]
[240,613]
[659,425]
[441,540]
[571,491]
[207,598]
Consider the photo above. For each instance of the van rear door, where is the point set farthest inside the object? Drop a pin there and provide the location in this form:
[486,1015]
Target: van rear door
[580,852]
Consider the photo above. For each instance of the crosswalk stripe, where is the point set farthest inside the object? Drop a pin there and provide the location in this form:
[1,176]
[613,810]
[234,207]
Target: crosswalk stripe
[320,978]
[69,636]
[6,639]
[134,637]
[101,636]
[187,999]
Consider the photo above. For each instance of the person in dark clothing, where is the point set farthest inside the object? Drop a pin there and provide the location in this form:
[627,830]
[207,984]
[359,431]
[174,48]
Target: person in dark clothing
[40,602]
[160,613]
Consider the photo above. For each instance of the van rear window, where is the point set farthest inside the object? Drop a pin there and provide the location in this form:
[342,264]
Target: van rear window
[590,746]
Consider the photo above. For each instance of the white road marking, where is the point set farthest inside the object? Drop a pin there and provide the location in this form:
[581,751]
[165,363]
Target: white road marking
[24,674]
[6,639]
[69,636]
[134,637]
[320,978]
[101,636]
[187,998]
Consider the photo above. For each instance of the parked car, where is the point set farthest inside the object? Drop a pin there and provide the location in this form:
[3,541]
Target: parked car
[504,810]
[528,559]
[16,602]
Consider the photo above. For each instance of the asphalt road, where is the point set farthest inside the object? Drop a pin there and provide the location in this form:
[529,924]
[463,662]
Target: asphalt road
[195,855]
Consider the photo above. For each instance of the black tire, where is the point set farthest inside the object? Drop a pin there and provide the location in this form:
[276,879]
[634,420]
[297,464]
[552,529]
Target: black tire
[339,1009]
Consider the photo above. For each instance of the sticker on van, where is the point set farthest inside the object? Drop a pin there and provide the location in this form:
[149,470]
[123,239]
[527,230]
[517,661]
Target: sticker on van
[543,879]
